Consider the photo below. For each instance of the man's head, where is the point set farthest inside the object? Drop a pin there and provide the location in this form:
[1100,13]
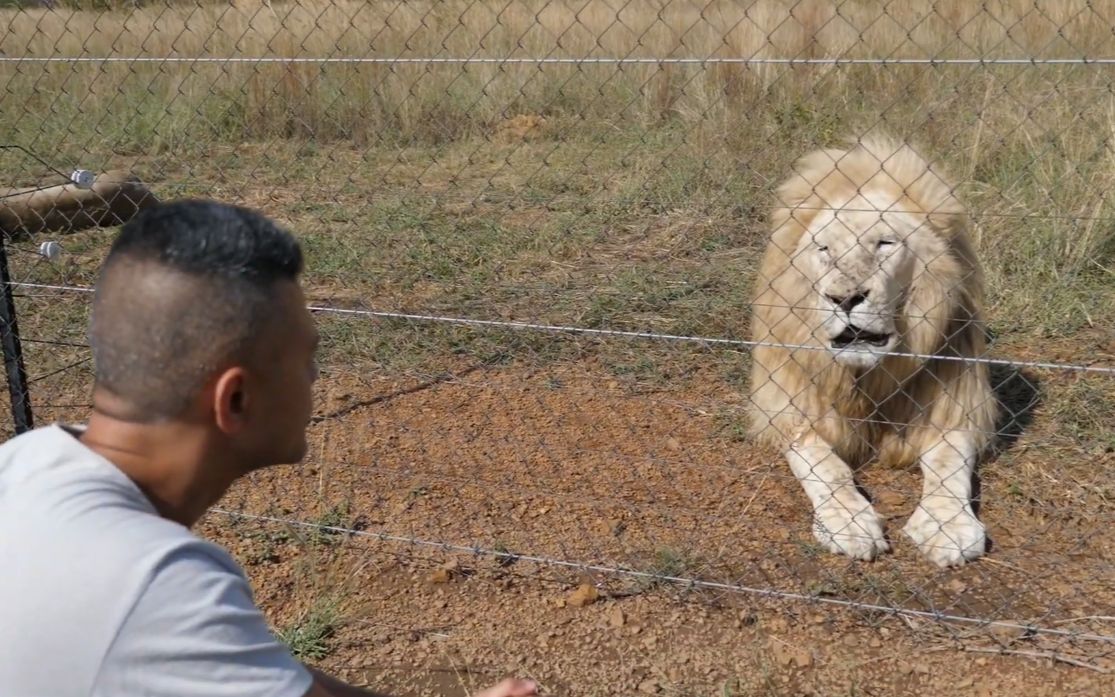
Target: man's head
[198,318]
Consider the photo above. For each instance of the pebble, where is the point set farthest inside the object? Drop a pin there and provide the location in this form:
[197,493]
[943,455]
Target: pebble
[586,594]
[616,618]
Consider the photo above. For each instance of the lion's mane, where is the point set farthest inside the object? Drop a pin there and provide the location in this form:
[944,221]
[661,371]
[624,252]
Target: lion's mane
[904,404]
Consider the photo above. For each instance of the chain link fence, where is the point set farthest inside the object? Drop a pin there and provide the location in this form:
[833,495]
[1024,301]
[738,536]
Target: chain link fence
[536,235]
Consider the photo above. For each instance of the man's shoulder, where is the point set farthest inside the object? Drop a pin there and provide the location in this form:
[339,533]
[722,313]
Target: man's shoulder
[84,550]
[63,505]
[52,454]
[56,492]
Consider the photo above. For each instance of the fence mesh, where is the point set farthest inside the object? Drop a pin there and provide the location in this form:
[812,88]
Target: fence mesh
[534,233]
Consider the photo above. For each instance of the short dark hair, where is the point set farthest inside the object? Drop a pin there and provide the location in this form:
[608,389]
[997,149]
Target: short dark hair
[184,289]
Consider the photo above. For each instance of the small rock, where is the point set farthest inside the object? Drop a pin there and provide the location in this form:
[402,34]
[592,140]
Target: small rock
[445,572]
[673,444]
[616,618]
[649,687]
[803,658]
[783,654]
[1006,634]
[875,643]
[957,586]
[585,594]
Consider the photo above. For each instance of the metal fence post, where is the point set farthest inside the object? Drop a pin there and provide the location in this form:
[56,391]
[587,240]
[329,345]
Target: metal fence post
[13,350]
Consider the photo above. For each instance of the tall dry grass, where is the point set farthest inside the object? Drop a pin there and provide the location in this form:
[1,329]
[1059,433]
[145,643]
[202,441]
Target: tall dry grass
[654,28]
[1032,144]
[166,105]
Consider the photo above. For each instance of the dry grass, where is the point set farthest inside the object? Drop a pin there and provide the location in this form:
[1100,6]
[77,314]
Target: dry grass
[761,28]
[167,106]
[627,197]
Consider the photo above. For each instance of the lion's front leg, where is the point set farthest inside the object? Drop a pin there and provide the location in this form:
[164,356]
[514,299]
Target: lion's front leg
[843,520]
[944,526]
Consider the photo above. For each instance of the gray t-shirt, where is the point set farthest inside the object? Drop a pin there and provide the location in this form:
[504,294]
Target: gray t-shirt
[102,597]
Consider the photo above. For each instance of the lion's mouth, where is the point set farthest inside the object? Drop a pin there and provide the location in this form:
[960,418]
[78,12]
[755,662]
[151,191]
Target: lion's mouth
[855,335]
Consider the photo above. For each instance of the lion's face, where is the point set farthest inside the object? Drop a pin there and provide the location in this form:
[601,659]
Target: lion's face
[860,259]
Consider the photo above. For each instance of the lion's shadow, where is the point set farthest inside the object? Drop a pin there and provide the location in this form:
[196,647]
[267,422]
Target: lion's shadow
[1018,394]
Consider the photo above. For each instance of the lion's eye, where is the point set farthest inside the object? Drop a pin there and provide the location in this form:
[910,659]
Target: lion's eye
[884,243]
[822,249]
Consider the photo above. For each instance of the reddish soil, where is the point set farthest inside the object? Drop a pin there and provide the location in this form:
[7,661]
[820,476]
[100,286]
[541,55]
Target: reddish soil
[573,464]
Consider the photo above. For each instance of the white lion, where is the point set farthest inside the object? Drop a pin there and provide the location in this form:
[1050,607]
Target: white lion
[870,261]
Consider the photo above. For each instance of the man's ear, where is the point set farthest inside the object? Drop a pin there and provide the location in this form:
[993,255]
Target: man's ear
[230,400]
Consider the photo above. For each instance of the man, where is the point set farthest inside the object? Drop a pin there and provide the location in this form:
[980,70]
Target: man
[204,356]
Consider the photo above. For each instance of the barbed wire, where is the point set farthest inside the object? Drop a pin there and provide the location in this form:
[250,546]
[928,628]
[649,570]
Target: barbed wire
[688,582]
[587,331]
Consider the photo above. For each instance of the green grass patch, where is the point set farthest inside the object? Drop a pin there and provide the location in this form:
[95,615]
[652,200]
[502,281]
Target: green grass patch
[310,636]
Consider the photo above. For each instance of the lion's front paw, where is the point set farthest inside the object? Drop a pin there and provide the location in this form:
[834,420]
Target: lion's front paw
[851,528]
[947,534]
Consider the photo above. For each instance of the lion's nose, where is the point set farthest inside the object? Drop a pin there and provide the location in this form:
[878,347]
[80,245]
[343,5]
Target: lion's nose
[848,302]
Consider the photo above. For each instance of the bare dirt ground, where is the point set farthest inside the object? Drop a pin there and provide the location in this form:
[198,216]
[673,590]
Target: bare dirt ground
[571,463]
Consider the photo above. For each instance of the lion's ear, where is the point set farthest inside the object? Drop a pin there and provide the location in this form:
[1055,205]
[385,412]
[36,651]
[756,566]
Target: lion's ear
[788,223]
[802,195]
[950,225]
[791,208]
[947,225]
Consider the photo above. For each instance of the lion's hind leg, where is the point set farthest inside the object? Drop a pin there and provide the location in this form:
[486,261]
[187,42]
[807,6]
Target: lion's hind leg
[844,522]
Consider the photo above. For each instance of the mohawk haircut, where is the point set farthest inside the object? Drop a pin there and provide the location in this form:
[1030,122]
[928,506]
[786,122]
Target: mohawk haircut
[186,289]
